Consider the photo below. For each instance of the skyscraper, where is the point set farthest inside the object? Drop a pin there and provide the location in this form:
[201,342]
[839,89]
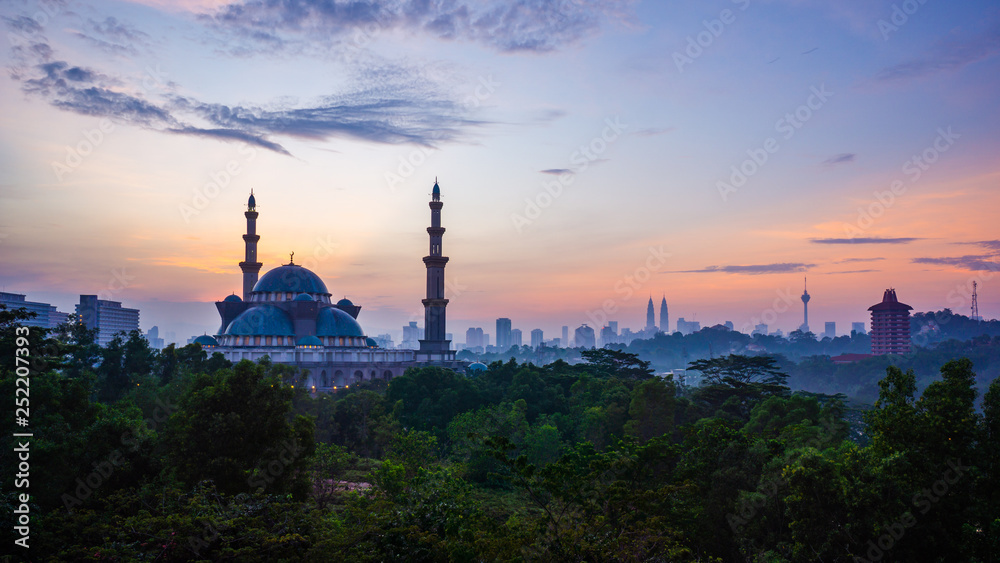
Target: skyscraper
[858,328]
[537,337]
[585,337]
[564,342]
[890,325]
[516,337]
[664,315]
[503,334]
[108,317]
[435,344]
[805,308]
[831,330]
[650,316]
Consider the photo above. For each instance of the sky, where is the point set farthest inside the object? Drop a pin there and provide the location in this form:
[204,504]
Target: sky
[591,154]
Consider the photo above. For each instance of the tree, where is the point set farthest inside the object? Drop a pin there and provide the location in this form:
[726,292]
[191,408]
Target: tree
[651,410]
[615,363]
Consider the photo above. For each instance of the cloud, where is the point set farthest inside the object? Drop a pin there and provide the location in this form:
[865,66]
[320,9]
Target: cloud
[974,263]
[841,158]
[556,171]
[114,36]
[650,132]
[506,26]
[388,103]
[864,240]
[756,269]
[951,54]
[987,244]
[852,260]
[854,272]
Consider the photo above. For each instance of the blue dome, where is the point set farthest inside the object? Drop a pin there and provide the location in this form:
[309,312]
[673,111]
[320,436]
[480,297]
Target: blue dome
[334,322]
[309,341]
[370,342]
[303,297]
[206,340]
[233,298]
[477,367]
[345,302]
[262,320]
[290,278]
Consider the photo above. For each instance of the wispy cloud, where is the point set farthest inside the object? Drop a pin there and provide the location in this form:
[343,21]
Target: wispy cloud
[388,103]
[852,260]
[114,36]
[951,54]
[853,272]
[841,158]
[755,269]
[519,26]
[987,244]
[653,131]
[974,263]
[864,240]
[556,171]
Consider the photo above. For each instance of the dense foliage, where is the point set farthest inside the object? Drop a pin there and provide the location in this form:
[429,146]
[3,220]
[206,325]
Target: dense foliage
[176,456]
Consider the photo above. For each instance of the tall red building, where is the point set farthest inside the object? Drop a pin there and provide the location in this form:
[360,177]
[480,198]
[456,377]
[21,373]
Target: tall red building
[890,325]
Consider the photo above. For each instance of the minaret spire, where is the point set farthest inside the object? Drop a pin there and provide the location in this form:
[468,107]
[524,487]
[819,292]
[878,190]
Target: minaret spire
[250,265]
[435,345]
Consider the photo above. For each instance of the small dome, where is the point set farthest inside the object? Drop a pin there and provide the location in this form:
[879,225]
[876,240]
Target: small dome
[309,341]
[233,299]
[334,322]
[345,302]
[290,278]
[206,341]
[262,320]
[303,297]
[476,367]
[370,342]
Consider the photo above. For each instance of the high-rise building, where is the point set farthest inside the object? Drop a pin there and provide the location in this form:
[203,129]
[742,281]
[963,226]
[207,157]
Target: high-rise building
[687,327]
[650,317]
[153,337]
[411,336]
[435,345]
[805,308]
[608,336]
[564,341]
[503,334]
[108,317]
[46,316]
[474,338]
[516,337]
[890,325]
[537,338]
[830,330]
[664,315]
[760,329]
[584,336]
[858,328]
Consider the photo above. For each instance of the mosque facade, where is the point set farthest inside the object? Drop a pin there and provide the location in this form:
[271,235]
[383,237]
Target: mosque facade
[289,316]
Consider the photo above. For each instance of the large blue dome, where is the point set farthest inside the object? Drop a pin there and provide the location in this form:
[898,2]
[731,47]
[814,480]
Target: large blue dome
[262,320]
[334,322]
[290,278]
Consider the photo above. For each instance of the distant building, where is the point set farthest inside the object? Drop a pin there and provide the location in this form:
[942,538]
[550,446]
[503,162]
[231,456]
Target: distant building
[108,317]
[831,330]
[759,329]
[626,337]
[474,338]
[503,334]
[664,315]
[729,325]
[516,337]
[153,337]
[411,336]
[890,325]
[687,327]
[858,328]
[608,336]
[46,316]
[537,338]
[384,341]
[585,337]
[564,341]
[650,317]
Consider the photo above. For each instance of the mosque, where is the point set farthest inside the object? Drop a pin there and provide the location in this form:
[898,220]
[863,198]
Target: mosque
[289,316]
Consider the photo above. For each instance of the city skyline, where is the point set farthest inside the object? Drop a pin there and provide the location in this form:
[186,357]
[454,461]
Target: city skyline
[134,131]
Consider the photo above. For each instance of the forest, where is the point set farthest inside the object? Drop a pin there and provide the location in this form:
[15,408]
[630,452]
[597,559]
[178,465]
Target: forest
[176,455]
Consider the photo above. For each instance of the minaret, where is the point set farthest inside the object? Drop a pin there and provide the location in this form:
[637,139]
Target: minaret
[664,316]
[650,315]
[805,307]
[250,266]
[434,345]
